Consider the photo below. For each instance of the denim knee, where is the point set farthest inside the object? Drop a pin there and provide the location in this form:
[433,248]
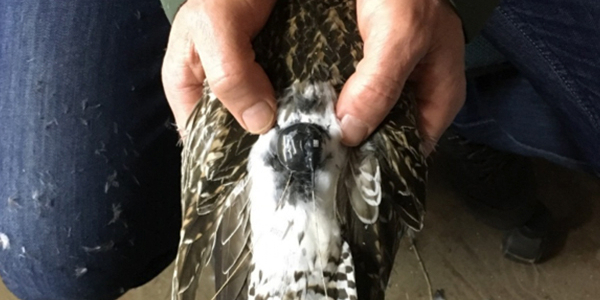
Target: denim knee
[90,170]
[61,276]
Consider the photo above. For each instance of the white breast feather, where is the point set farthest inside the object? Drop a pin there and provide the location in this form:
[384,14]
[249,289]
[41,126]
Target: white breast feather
[278,253]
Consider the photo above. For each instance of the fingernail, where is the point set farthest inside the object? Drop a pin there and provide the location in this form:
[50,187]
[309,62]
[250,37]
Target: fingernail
[258,118]
[427,146]
[354,131]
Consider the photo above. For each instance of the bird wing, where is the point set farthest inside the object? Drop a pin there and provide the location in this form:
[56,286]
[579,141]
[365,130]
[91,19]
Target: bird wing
[214,189]
[403,165]
[382,194]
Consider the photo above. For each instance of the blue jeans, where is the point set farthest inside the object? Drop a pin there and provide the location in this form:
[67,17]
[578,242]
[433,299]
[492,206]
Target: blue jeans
[547,102]
[89,167]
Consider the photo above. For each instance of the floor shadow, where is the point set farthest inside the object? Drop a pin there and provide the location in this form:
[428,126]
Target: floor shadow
[571,197]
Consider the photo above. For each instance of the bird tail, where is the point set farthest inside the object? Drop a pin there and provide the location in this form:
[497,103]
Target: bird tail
[344,279]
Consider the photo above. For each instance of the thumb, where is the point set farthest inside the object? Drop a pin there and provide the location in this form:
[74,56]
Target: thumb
[371,92]
[393,45]
[232,73]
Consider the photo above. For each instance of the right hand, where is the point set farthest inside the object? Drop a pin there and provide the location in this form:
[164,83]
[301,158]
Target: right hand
[405,40]
[213,40]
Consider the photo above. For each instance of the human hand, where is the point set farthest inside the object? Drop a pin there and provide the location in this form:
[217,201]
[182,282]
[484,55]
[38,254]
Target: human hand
[417,40]
[212,40]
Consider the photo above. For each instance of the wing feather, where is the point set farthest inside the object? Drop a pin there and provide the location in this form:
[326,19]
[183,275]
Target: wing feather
[234,234]
[213,185]
[383,195]
[232,253]
[403,165]
[364,186]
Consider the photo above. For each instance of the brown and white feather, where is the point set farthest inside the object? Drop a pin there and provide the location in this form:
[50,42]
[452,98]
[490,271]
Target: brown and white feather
[380,192]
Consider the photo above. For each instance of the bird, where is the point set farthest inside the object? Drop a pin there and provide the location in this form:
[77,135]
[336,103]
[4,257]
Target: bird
[294,214]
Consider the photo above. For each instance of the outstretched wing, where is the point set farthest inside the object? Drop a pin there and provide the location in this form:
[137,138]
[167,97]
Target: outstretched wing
[214,201]
[382,194]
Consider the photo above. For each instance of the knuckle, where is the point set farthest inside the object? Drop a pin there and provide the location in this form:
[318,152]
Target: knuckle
[380,91]
[385,87]
[225,79]
[374,98]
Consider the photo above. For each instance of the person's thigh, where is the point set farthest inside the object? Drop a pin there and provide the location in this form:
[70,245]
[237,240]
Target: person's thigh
[505,112]
[554,105]
[89,172]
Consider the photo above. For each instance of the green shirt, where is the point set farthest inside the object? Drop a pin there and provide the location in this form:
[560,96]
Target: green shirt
[473,13]
[171,7]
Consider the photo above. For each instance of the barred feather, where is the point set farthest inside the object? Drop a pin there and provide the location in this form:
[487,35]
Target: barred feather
[307,48]
[213,187]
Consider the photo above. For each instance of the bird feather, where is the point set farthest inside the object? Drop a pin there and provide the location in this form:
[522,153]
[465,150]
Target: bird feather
[380,193]
[214,191]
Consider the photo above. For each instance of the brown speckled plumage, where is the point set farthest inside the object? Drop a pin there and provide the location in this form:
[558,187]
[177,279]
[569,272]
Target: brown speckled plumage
[304,41]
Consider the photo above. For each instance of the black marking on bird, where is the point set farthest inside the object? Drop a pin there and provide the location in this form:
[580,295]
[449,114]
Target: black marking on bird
[293,214]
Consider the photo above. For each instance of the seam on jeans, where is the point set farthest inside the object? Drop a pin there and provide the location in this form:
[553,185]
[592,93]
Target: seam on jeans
[474,124]
[537,151]
[547,153]
[554,67]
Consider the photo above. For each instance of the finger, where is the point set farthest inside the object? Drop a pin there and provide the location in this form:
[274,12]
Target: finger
[233,74]
[390,54]
[182,74]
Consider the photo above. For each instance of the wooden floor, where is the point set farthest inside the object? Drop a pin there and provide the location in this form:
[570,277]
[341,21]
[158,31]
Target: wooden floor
[464,257]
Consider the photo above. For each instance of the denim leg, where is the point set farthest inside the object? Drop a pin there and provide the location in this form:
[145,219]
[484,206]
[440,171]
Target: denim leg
[550,107]
[89,170]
